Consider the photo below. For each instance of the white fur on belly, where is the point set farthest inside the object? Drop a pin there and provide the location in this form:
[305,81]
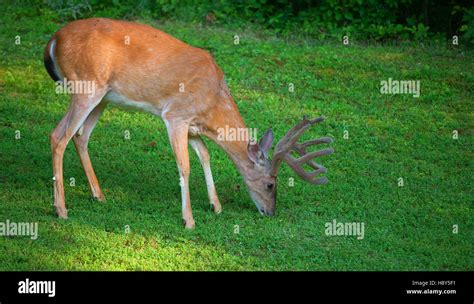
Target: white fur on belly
[123,101]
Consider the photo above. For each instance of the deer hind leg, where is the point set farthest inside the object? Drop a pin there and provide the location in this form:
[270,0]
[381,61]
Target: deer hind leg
[81,106]
[81,139]
[201,150]
[178,135]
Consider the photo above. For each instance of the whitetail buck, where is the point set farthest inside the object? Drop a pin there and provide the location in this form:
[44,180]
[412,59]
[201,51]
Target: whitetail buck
[138,66]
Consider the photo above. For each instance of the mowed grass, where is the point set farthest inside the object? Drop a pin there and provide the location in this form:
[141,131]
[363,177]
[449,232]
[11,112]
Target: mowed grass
[390,136]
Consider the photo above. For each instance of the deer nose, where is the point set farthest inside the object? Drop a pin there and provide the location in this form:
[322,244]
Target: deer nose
[266,211]
[269,212]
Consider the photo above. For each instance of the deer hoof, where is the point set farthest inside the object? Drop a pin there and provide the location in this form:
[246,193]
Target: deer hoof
[189,223]
[61,212]
[217,208]
[100,198]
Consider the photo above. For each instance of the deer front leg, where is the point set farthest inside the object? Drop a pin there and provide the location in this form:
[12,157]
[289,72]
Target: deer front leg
[178,135]
[201,150]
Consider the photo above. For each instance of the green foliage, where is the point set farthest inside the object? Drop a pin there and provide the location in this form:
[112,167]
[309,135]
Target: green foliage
[70,9]
[368,19]
[468,25]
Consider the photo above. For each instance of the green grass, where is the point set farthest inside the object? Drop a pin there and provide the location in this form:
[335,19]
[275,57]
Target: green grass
[406,228]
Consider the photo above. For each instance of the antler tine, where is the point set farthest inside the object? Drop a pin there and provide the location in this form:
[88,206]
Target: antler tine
[309,156]
[322,140]
[297,165]
[289,142]
[301,149]
[285,144]
[307,176]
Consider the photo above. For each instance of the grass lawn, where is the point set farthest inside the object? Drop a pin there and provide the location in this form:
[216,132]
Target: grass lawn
[389,137]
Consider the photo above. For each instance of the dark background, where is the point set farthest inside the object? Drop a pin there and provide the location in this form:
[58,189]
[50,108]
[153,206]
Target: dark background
[363,19]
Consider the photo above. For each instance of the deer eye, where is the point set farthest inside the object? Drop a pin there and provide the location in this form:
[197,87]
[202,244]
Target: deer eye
[270,186]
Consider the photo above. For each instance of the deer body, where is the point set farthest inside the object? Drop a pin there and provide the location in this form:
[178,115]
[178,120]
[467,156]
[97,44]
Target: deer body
[137,66]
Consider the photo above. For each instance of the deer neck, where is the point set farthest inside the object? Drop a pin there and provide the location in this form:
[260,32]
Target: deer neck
[226,128]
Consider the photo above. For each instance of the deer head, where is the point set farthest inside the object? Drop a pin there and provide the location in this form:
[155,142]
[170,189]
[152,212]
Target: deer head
[261,179]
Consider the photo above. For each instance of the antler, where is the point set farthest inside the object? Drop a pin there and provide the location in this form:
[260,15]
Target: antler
[289,143]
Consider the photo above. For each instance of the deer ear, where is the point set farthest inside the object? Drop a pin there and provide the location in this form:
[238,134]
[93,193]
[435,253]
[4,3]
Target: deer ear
[253,152]
[266,142]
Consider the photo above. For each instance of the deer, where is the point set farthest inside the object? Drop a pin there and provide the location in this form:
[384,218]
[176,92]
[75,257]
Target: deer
[136,66]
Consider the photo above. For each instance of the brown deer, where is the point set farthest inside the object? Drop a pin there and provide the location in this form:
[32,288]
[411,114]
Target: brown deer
[137,66]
